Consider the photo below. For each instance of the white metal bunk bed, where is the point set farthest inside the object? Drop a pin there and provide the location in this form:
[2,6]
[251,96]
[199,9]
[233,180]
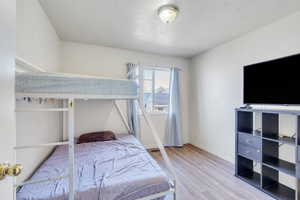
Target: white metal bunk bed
[39,84]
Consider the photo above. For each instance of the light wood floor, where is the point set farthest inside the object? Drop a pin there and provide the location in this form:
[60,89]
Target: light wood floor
[203,176]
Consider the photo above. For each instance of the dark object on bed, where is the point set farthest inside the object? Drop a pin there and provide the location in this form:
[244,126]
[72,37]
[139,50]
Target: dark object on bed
[97,137]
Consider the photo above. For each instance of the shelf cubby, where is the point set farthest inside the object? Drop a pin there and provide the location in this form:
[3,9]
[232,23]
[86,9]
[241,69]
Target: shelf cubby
[272,186]
[280,165]
[270,125]
[245,122]
[280,191]
[245,171]
[251,178]
[270,157]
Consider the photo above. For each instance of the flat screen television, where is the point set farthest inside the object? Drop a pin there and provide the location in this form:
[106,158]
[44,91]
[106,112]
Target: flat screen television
[273,82]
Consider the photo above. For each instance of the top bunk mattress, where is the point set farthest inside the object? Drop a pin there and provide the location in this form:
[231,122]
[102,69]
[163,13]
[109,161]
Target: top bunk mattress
[42,84]
[113,170]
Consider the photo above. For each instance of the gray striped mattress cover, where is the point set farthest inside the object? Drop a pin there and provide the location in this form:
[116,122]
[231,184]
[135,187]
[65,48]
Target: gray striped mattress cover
[59,83]
[114,170]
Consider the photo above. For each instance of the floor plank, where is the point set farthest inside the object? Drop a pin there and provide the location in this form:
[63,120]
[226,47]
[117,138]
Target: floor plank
[203,176]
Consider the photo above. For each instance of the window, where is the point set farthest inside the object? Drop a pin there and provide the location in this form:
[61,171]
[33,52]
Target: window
[155,88]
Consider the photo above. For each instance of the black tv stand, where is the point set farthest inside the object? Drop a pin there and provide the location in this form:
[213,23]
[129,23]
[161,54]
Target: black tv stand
[261,147]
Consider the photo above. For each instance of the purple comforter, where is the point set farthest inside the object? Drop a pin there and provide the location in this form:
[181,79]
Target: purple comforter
[114,170]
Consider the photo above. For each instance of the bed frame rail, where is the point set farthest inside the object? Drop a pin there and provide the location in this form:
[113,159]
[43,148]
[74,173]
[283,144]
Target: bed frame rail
[42,145]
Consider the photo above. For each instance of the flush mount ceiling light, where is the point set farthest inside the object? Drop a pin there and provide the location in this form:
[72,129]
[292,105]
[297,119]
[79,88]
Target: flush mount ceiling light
[168,13]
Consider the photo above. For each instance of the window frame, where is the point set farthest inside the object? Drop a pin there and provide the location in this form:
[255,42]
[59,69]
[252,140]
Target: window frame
[142,79]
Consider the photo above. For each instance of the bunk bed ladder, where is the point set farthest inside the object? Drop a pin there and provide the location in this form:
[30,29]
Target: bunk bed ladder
[70,143]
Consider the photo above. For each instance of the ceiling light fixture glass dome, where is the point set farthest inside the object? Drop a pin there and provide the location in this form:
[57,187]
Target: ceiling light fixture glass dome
[168,13]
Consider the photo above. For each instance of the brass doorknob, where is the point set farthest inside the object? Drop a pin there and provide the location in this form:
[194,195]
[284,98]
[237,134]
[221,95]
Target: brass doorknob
[7,170]
[14,170]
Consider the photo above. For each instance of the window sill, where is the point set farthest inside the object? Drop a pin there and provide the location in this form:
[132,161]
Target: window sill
[156,114]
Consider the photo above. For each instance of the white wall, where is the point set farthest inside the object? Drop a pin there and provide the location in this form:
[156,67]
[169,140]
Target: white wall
[37,41]
[111,62]
[38,44]
[217,80]
[7,105]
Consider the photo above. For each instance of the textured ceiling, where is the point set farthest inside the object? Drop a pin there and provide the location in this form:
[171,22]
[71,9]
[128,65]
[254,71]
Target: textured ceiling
[133,24]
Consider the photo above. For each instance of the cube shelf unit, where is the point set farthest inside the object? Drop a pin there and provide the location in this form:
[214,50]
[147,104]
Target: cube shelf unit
[262,147]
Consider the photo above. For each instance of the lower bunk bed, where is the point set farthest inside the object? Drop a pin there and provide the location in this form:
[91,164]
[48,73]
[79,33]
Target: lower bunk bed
[112,170]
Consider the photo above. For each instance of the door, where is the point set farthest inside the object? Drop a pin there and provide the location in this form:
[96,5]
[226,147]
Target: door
[7,100]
